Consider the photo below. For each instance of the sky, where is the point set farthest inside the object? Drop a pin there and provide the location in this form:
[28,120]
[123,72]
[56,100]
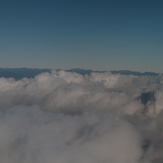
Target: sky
[98,34]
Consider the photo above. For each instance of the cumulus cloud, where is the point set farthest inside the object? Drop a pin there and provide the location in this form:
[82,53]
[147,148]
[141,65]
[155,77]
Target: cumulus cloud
[66,117]
[30,135]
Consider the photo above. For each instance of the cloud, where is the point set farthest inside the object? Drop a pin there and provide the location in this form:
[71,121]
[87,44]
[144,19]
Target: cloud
[67,117]
[31,135]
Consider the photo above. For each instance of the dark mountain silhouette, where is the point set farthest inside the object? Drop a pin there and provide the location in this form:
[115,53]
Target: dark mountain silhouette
[19,73]
[123,72]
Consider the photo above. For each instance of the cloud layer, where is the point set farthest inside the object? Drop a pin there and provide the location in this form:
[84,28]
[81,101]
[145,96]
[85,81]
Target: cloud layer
[65,117]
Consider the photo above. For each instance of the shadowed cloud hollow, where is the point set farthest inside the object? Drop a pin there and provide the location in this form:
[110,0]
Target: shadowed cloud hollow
[67,117]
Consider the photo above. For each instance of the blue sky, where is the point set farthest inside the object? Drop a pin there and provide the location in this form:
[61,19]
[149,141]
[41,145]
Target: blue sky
[90,34]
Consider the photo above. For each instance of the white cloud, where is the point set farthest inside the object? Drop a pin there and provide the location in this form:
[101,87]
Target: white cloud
[31,135]
[66,117]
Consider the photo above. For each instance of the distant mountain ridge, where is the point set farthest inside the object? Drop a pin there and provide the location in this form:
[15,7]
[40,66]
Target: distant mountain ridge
[19,73]
[123,72]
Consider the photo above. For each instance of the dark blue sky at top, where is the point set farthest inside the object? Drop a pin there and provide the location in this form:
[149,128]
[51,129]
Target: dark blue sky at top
[97,34]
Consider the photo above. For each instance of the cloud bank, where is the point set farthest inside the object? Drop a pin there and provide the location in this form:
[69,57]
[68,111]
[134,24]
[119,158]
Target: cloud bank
[65,117]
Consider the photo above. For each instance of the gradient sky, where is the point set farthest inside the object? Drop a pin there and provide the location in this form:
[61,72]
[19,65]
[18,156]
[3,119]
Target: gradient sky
[90,34]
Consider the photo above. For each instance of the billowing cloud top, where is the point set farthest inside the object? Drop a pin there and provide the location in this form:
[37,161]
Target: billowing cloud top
[65,117]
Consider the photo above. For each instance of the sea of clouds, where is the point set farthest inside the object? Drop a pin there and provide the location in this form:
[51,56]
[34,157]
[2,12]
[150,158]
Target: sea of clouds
[65,117]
